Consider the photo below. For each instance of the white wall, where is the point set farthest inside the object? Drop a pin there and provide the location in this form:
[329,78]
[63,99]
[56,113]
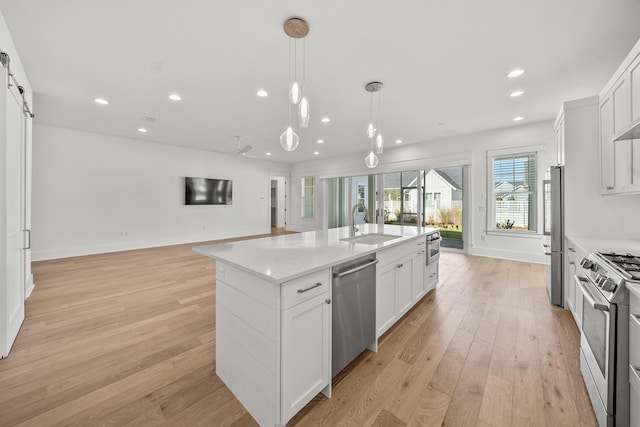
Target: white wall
[588,214]
[90,188]
[454,151]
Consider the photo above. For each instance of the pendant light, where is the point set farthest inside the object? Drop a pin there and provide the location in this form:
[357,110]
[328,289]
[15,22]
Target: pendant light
[374,132]
[296,28]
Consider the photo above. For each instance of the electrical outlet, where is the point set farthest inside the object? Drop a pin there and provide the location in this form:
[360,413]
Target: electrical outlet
[126,234]
[483,236]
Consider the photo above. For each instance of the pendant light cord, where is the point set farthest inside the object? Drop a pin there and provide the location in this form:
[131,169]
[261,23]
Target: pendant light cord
[289,102]
[379,112]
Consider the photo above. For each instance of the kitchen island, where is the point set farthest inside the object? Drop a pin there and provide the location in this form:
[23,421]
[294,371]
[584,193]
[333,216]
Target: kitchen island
[273,308]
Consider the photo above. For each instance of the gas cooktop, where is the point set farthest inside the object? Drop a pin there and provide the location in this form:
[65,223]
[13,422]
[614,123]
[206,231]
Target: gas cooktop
[628,265]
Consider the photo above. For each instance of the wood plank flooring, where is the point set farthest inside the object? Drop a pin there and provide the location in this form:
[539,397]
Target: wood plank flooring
[127,339]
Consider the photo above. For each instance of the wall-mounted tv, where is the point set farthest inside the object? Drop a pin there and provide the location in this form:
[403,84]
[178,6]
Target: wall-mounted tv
[206,191]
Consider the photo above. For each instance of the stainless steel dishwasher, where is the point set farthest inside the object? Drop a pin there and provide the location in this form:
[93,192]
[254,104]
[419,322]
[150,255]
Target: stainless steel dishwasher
[353,310]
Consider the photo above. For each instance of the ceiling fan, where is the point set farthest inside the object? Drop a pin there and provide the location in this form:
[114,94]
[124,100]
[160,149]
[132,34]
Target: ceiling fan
[243,150]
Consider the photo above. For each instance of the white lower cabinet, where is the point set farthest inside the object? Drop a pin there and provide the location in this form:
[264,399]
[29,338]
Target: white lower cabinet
[404,276]
[430,277]
[386,298]
[306,333]
[417,282]
[634,353]
[401,281]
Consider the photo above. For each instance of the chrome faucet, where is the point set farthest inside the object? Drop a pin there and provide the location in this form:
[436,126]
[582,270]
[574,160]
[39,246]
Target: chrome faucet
[353,229]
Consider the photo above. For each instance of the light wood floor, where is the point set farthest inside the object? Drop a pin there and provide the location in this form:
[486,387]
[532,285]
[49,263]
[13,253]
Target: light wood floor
[128,339]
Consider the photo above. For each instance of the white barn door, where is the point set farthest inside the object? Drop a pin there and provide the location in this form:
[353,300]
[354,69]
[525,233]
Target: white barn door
[13,287]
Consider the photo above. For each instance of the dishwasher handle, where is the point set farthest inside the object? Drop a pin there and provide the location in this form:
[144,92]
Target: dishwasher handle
[354,270]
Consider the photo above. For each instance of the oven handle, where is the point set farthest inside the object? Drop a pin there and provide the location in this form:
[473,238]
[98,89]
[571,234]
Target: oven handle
[587,294]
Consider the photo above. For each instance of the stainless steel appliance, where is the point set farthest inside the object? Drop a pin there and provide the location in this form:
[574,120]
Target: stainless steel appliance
[353,310]
[604,342]
[553,226]
[433,247]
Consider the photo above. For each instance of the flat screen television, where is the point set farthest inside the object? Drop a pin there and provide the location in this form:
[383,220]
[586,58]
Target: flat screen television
[206,191]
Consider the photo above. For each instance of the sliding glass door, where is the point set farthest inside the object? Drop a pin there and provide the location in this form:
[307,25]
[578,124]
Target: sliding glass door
[427,197]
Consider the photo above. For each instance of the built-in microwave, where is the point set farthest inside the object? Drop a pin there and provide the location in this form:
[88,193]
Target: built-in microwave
[433,248]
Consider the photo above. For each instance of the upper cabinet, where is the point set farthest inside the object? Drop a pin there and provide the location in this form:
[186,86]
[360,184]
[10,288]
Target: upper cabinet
[620,129]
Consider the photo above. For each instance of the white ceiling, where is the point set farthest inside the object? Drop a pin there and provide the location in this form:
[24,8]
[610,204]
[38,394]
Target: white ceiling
[440,62]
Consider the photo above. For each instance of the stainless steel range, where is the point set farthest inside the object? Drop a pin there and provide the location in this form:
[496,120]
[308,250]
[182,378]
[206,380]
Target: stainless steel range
[604,343]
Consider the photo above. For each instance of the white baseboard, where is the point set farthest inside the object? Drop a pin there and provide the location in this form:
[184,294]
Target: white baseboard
[509,254]
[37,255]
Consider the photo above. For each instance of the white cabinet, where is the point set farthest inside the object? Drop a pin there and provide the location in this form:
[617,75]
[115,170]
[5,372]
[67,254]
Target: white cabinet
[430,276]
[404,276]
[620,129]
[386,299]
[306,334]
[401,282]
[273,341]
[634,353]
[417,282]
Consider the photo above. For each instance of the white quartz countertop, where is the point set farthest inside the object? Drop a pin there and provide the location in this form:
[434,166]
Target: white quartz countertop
[607,245]
[282,258]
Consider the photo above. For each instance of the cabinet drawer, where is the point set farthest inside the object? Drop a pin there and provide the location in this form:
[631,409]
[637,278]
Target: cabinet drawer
[634,340]
[387,256]
[304,288]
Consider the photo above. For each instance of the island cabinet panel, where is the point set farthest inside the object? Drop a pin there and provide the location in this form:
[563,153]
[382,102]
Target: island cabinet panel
[306,352]
[247,333]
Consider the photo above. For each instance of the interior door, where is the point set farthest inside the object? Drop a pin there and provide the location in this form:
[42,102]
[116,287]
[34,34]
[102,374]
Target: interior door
[14,198]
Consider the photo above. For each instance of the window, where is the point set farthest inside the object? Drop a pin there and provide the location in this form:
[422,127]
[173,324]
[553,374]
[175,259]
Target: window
[308,196]
[513,192]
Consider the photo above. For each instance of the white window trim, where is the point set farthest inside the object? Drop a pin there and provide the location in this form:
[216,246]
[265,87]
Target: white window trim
[490,210]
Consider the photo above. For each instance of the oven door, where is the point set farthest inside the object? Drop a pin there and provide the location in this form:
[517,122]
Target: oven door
[433,248]
[598,340]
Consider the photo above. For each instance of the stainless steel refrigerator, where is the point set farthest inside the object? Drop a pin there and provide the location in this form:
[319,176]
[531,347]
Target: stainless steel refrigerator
[554,227]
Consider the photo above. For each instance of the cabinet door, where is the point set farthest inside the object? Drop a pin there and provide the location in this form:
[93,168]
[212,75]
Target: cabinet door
[306,338]
[606,145]
[417,282]
[430,277]
[404,278]
[386,297]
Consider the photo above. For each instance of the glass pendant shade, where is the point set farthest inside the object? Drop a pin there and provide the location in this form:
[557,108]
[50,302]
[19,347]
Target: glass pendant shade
[371,160]
[289,140]
[304,112]
[379,143]
[371,131]
[294,93]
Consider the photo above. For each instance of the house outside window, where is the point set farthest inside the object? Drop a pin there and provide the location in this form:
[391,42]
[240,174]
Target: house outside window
[308,196]
[513,192]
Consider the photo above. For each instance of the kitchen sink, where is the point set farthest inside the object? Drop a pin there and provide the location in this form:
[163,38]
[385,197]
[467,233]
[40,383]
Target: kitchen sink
[370,238]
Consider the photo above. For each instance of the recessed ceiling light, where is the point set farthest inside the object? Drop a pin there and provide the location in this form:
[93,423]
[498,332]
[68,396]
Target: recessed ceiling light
[325,120]
[398,141]
[515,73]
[518,118]
[321,141]
[516,93]
[267,153]
[315,153]
[262,93]
[101,101]
[142,130]
[175,97]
